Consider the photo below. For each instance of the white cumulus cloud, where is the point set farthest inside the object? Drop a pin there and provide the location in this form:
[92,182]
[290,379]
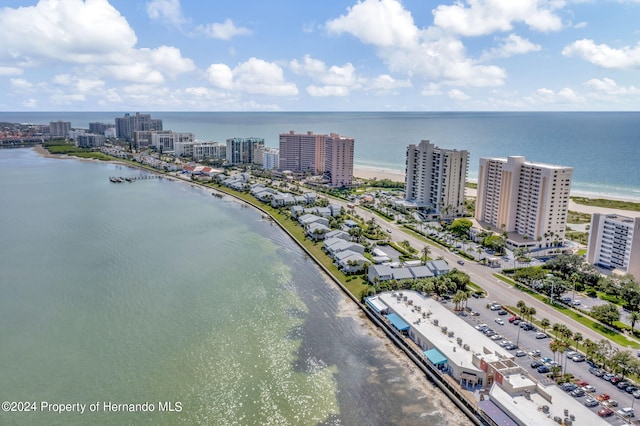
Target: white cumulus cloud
[610,87]
[383,23]
[254,76]
[482,17]
[511,45]
[169,11]
[458,95]
[223,31]
[603,55]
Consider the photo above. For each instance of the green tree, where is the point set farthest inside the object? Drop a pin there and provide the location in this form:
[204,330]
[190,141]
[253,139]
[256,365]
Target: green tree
[544,324]
[577,337]
[460,227]
[634,317]
[608,313]
[426,251]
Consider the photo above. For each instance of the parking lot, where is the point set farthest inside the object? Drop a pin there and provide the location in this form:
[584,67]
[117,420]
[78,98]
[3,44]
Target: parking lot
[528,349]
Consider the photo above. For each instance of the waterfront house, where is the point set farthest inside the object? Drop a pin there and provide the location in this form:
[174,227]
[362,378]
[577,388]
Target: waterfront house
[379,273]
[350,261]
[307,219]
[316,231]
[337,233]
[336,245]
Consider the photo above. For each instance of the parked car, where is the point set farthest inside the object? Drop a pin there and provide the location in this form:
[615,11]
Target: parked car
[576,302]
[520,353]
[626,412]
[516,322]
[541,336]
[511,347]
[582,383]
[589,388]
[577,393]
[590,402]
[630,389]
[515,317]
[536,364]
[534,353]
[615,380]
[571,354]
[568,387]
[502,312]
[543,369]
[579,358]
[603,397]
[636,394]
[495,307]
[622,385]
[605,412]
[608,376]
[596,372]
[499,321]
[496,337]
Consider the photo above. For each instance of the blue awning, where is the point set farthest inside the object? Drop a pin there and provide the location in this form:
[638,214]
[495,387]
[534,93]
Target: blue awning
[435,357]
[398,322]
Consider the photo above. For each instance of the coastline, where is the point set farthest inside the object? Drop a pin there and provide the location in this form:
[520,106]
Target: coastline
[397,176]
[416,377]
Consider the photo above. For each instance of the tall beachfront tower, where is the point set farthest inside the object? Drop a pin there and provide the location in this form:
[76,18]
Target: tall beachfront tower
[127,125]
[614,242]
[302,152]
[59,129]
[530,199]
[435,178]
[339,160]
[245,150]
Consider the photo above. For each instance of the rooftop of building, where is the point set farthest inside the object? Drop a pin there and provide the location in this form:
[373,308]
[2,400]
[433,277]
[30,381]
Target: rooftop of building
[411,311]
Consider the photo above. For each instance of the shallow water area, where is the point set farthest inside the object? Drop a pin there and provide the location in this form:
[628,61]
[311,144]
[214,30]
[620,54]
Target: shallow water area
[155,292]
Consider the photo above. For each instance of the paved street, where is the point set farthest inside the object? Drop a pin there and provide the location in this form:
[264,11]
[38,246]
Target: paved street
[497,290]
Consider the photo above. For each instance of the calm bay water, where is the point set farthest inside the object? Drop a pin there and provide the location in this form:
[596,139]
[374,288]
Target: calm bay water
[603,147]
[156,291]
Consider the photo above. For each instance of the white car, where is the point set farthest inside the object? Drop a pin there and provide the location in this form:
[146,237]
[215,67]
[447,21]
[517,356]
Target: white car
[499,321]
[626,412]
[576,302]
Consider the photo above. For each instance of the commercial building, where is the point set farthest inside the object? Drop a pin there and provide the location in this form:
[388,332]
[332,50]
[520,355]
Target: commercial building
[614,242]
[503,392]
[127,125]
[244,150]
[302,152]
[339,160]
[528,199]
[59,129]
[435,178]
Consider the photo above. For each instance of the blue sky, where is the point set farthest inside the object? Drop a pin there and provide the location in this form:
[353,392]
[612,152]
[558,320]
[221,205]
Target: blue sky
[310,55]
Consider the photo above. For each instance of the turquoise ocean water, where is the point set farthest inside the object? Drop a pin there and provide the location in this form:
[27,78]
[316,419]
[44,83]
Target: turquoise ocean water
[603,147]
[156,292]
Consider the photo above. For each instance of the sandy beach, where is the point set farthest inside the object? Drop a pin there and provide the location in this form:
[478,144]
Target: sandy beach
[397,176]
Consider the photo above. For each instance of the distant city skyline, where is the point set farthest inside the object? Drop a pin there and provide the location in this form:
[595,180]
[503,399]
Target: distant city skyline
[353,55]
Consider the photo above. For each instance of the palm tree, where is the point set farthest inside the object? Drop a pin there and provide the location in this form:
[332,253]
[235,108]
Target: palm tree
[532,311]
[426,251]
[556,328]
[577,337]
[544,324]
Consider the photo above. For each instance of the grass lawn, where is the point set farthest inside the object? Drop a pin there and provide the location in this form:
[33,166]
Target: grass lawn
[611,204]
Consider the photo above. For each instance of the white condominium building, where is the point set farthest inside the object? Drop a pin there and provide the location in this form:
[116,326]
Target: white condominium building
[200,150]
[271,158]
[436,178]
[530,199]
[245,150]
[614,242]
[165,140]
